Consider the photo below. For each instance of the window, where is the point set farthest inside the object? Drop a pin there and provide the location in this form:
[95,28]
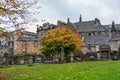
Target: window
[118,33]
[35,43]
[11,50]
[24,45]
[41,34]
[11,38]
[89,34]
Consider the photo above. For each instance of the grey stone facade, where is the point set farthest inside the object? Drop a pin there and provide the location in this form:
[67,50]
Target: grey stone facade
[92,32]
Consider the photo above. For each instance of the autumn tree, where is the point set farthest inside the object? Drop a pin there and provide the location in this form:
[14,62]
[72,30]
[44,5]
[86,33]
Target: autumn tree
[58,38]
[3,32]
[17,13]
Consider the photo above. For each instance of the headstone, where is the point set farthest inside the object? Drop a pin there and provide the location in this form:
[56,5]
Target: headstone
[98,56]
[55,60]
[30,61]
[1,60]
[26,58]
[6,59]
[115,57]
[22,61]
[71,57]
[92,57]
[39,59]
[62,55]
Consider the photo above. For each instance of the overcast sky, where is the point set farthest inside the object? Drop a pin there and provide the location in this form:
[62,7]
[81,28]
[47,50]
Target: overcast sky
[105,10]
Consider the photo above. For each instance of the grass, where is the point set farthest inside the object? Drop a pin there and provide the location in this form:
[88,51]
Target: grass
[101,70]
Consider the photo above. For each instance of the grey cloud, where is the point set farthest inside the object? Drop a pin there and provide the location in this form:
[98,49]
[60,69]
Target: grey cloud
[105,10]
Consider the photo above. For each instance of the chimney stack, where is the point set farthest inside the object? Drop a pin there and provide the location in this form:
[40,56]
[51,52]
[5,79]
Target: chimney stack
[113,23]
[80,19]
[113,27]
[68,20]
[97,21]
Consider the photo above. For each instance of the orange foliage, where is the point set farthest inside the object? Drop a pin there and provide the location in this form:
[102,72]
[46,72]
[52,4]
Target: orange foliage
[63,37]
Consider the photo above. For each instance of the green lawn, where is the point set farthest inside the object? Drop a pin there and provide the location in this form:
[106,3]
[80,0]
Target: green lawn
[101,70]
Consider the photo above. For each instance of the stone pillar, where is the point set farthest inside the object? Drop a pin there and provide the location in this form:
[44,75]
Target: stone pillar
[1,60]
[98,56]
[30,61]
[119,52]
[71,57]
[6,59]
[62,55]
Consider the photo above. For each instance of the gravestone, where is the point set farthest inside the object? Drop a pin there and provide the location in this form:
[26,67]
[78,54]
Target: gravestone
[62,55]
[21,61]
[71,57]
[55,59]
[98,56]
[1,60]
[6,59]
[30,61]
[26,58]
[39,59]
[79,57]
[115,56]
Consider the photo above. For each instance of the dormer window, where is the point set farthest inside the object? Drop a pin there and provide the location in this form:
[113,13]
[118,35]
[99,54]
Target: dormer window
[24,45]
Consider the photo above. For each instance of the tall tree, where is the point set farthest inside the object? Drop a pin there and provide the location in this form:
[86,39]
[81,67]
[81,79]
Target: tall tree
[58,38]
[17,12]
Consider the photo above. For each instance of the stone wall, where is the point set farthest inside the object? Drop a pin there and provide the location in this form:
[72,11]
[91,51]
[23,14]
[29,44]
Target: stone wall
[17,47]
[31,48]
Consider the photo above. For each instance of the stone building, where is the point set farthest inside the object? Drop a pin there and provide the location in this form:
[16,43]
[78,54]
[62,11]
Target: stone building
[95,35]
[41,30]
[29,43]
[92,32]
[23,42]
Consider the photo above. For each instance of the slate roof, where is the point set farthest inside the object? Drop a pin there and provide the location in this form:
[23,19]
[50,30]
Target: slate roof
[99,39]
[85,26]
[88,26]
[28,38]
[74,26]
[29,33]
